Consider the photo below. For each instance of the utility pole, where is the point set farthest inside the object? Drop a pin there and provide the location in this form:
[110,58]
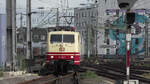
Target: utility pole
[9,33]
[88,42]
[146,39]
[96,51]
[29,39]
[21,20]
[14,33]
[57,23]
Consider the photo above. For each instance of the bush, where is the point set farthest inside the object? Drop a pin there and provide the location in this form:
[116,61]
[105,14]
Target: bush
[88,74]
[147,75]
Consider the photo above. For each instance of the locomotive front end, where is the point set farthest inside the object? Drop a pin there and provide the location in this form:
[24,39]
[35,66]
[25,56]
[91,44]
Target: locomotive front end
[63,49]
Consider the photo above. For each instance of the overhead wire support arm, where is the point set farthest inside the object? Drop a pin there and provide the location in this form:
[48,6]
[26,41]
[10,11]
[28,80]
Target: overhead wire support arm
[68,22]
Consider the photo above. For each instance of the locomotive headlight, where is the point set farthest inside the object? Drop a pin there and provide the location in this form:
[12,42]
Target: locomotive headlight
[52,57]
[71,57]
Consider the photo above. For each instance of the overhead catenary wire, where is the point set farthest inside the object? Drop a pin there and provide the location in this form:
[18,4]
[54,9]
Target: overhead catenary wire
[63,6]
[45,20]
[45,17]
[140,3]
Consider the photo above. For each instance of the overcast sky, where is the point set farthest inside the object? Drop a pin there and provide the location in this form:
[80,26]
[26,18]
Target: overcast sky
[2,6]
[72,3]
[49,3]
[21,4]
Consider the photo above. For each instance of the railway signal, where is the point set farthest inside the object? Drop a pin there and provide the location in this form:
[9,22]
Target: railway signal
[130,18]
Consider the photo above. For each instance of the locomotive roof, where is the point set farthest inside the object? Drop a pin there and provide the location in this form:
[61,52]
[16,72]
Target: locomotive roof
[69,32]
[65,28]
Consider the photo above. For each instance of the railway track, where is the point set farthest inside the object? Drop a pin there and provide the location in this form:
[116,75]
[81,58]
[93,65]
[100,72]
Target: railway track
[122,70]
[71,78]
[115,73]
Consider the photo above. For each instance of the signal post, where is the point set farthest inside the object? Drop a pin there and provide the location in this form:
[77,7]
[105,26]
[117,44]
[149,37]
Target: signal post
[130,18]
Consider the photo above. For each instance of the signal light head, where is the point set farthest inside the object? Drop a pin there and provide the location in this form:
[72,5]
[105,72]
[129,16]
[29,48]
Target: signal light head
[130,17]
[126,4]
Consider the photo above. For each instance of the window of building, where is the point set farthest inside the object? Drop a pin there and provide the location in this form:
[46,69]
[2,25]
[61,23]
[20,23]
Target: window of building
[117,31]
[77,15]
[136,50]
[92,14]
[76,24]
[136,41]
[89,14]
[106,32]
[85,14]
[107,41]
[79,24]
[137,31]
[97,13]
[116,51]
[85,23]
[36,38]
[82,14]
[43,37]
[107,51]
[82,23]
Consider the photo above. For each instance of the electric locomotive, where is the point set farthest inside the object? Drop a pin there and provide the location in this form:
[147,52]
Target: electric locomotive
[63,50]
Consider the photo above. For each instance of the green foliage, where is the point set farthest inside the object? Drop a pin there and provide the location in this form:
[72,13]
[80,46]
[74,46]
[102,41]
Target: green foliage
[23,65]
[21,62]
[88,74]
[142,64]
[147,75]
[1,73]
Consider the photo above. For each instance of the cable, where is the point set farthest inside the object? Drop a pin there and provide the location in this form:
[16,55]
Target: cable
[45,16]
[47,2]
[141,3]
[41,23]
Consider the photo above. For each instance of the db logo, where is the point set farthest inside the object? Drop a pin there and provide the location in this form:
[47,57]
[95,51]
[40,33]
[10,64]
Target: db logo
[61,48]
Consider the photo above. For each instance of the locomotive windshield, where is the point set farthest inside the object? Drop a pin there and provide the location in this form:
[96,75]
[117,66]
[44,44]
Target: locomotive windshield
[56,38]
[66,38]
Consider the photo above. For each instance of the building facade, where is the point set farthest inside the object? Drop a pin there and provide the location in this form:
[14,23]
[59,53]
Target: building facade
[39,40]
[87,19]
[102,28]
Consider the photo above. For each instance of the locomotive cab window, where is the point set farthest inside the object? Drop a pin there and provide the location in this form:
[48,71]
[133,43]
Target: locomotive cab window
[68,38]
[56,38]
